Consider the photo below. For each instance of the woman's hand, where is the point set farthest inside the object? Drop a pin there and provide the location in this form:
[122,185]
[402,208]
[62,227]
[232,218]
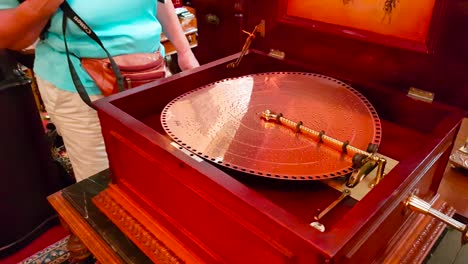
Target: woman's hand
[187,60]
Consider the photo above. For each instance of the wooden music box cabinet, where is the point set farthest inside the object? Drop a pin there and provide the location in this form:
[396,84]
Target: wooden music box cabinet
[180,208]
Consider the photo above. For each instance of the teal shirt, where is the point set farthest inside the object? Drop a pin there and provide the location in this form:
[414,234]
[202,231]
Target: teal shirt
[123,26]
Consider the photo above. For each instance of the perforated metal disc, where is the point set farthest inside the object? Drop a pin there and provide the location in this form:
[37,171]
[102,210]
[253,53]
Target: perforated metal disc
[221,122]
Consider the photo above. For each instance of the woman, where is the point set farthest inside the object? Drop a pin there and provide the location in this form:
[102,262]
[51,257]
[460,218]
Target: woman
[123,26]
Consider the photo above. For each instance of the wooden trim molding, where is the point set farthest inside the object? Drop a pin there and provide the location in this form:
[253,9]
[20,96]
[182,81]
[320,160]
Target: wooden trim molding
[156,242]
[78,226]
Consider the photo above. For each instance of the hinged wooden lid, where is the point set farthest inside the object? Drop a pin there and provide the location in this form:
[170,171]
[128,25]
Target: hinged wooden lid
[394,43]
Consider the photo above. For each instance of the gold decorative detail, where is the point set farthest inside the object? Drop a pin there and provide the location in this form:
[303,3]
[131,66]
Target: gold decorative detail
[421,95]
[155,249]
[365,186]
[277,54]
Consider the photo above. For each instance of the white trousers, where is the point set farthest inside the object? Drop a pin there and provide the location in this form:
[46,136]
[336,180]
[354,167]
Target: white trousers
[79,126]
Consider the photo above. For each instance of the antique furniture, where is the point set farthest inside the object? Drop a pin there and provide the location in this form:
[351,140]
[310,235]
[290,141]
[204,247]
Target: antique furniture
[167,196]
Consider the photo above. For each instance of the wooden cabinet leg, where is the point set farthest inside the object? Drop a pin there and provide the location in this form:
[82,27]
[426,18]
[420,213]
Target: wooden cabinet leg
[78,251]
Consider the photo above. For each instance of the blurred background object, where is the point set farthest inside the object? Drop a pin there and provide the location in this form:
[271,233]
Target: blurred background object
[28,173]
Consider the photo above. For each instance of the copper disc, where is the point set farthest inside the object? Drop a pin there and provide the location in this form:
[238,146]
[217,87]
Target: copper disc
[221,122]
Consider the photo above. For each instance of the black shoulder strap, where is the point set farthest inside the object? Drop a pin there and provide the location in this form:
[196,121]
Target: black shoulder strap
[68,12]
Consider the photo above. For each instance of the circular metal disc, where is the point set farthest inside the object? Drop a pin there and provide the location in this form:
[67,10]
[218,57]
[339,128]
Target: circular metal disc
[221,122]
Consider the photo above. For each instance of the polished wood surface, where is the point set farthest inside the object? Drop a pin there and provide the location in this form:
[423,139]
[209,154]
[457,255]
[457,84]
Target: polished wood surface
[83,232]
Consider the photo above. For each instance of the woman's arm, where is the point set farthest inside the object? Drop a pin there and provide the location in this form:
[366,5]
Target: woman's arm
[22,25]
[173,30]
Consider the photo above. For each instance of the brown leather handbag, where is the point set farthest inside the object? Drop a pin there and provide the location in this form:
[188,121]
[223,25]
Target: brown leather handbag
[111,74]
[136,69]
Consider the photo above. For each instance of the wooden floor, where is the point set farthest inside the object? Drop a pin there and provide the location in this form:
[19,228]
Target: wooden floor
[454,185]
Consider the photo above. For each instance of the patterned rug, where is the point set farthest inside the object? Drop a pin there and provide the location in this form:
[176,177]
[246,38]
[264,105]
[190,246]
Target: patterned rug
[54,254]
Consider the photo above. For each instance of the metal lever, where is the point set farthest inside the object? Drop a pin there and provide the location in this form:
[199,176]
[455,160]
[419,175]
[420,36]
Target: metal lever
[319,226]
[418,205]
[260,29]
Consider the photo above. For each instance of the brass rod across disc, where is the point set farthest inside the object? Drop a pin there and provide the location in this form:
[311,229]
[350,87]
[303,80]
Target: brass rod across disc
[318,136]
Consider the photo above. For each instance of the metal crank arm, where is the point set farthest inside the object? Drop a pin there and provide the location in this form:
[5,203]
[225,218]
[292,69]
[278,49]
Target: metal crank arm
[319,226]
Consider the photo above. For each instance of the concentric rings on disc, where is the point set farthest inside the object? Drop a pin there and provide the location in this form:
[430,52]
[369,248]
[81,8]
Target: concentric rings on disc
[221,122]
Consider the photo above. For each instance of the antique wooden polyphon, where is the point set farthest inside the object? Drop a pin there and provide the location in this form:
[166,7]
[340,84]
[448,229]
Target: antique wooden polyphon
[179,208]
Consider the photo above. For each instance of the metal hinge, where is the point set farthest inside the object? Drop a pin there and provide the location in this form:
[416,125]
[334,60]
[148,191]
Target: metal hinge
[421,95]
[277,54]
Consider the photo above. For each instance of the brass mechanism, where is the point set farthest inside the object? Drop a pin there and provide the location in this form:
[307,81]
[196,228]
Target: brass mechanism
[421,95]
[368,164]
[277,54]
[366,161]
[259,29]
[418,205]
